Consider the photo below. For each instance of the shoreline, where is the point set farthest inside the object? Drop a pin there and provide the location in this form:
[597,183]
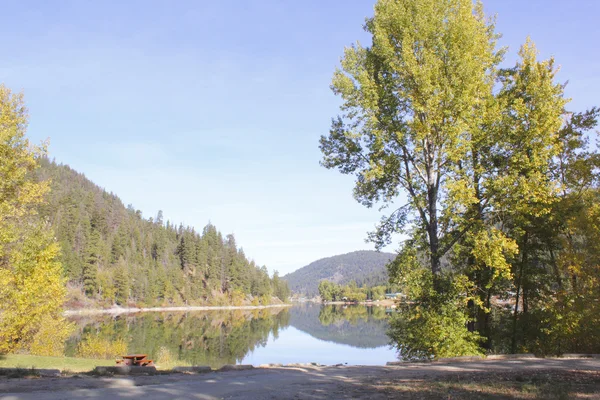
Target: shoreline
[133,310]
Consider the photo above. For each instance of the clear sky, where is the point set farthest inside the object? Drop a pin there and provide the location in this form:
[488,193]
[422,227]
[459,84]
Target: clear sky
[212,110]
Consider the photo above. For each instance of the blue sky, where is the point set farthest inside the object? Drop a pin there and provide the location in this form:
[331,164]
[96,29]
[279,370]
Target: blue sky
[212,110]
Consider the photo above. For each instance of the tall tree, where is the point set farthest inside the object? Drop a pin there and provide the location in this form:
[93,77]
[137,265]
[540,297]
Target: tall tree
[427,113]
[32,289]
[90,269]
[408,99]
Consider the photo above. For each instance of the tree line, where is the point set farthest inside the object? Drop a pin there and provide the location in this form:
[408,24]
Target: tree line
[500,183]
[331,291]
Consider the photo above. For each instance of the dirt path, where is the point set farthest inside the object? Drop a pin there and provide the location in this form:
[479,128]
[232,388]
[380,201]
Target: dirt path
[352,382]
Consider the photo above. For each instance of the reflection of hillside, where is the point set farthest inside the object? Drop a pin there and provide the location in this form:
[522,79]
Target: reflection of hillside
[357,326]
[198,338]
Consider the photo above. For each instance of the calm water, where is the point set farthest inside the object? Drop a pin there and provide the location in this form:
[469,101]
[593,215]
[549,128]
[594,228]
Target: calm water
[302,333]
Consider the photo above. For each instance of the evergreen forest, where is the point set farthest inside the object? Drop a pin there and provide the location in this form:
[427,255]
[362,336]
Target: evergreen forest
[111,254]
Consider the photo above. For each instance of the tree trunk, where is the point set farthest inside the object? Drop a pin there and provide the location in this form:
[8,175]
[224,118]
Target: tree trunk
[434,245]
[486,330]
[519,279]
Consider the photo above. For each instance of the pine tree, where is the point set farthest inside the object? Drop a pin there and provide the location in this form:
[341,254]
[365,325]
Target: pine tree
[121,284]
[90,269]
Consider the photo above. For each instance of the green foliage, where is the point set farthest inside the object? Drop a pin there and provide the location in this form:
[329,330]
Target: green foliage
[330,291]
[121,282]
[498,177]
[280,287]
[378,293]
[409,102]
[433,324]
[326,290]
[438,330]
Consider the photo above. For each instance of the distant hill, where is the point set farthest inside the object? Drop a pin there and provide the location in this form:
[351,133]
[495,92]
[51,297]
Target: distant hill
[364,267]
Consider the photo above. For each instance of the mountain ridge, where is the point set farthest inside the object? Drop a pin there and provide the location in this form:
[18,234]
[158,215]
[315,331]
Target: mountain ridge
[362,266]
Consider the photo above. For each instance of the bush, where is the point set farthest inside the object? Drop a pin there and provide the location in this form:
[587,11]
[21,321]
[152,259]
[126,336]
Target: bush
[237,297]
[164,358]
[434,325]
[96,347]
[265,300]
[436,330]
[50,339]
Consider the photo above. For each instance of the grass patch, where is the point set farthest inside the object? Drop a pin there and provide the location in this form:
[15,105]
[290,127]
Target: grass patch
[71,364]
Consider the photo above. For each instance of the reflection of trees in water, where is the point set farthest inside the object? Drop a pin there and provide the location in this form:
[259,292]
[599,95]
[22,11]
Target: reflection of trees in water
[208,338]
[358,326]
[353,314]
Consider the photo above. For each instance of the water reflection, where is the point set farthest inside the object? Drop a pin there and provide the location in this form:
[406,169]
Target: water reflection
[304,333]
[198,338]
[332,334]
[357,326]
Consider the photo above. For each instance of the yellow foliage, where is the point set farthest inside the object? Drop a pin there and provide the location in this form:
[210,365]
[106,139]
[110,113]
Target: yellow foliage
[32,290]
[265,300]
[96,347]
[50,339]
[237,297]
[491,247]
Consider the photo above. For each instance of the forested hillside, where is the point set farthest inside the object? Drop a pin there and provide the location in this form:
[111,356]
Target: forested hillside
[112,254]
[364,267]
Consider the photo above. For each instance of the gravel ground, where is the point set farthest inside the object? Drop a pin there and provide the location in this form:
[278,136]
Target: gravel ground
[498,379]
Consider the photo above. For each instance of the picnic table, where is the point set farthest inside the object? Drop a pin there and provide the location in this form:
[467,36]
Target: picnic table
[137,360]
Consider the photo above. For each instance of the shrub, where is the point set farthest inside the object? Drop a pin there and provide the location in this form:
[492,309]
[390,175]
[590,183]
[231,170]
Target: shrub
[237,297]
[96,347]
[50,339]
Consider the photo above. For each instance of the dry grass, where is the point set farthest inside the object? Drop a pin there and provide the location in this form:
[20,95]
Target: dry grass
[550,384]
[27,362]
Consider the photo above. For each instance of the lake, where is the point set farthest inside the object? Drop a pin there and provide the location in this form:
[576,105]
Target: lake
[304,333]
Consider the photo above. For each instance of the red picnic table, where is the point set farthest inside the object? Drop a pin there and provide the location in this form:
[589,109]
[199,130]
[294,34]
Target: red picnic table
[137,360]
